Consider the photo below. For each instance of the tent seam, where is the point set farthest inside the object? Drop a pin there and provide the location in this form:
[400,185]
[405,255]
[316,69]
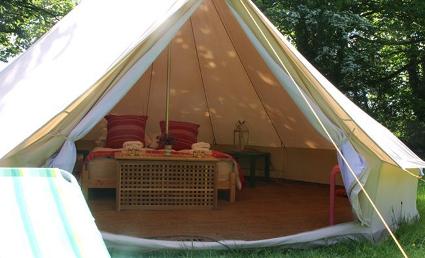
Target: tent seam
[149,90]
[326,131]
[282,144]
[273,33]
[203,82]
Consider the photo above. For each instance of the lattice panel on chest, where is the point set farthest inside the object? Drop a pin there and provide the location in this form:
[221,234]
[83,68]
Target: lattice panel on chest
[166,184]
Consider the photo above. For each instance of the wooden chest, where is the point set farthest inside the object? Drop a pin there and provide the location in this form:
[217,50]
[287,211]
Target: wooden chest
[166,182]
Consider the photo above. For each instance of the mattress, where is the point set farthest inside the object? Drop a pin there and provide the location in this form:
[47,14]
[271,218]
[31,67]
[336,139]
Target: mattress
[105,168]
[101,165]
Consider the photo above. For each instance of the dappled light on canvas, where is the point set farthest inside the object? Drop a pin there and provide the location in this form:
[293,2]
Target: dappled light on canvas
[216,82]
[212,64]
[267,78]
[311,144]
[188,103]
[231,54]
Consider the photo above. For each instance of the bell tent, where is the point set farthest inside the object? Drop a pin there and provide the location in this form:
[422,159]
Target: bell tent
[224,62]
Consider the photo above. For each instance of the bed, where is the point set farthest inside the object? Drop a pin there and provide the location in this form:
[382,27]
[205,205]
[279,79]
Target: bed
[100,170]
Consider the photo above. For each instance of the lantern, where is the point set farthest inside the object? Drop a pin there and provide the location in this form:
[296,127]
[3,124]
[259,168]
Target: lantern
[240,135]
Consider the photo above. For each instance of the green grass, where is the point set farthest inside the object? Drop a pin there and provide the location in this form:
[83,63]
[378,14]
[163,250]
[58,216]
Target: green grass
[411,237]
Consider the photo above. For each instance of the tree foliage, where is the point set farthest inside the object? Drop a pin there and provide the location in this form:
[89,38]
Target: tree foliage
[372,50]
[24,21]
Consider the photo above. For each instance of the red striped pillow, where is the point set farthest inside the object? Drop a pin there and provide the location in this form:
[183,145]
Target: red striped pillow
[125,128]
[184,134]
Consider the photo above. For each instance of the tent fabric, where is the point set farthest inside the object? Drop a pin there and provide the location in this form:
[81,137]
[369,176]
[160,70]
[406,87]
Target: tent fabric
[66,157]
[234,81]
[227,63]
[319,237]
[303,74]
[47,69]
[354,159]
[49,216]
[356,162]
[396,151]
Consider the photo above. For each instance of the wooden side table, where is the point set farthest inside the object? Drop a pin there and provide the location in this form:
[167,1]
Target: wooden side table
[252,156]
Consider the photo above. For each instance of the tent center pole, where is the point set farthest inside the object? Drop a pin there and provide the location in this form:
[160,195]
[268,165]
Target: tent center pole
[167,94]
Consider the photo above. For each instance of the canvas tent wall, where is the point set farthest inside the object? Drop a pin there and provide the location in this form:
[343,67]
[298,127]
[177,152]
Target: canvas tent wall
[83,67]
[215,85]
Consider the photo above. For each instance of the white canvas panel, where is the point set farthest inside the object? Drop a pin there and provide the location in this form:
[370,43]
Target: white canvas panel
[64,63]
[66,157]
[230,93]
[381,136]
[355,161]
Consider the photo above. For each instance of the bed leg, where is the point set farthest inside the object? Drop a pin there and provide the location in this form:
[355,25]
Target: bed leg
[232,187]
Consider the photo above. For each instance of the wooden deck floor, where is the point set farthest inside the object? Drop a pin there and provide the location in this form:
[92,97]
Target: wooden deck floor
[269,210]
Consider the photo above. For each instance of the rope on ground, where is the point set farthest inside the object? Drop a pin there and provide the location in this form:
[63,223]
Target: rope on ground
[327,134]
